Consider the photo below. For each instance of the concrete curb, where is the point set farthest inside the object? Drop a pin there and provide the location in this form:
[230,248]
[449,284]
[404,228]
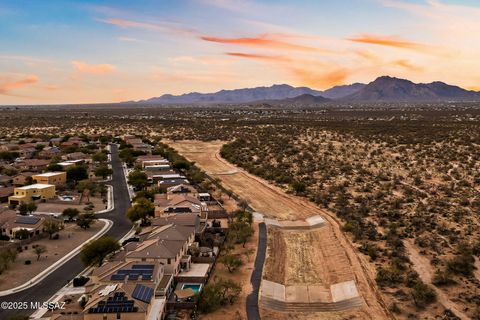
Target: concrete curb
[110,202]
[42,275]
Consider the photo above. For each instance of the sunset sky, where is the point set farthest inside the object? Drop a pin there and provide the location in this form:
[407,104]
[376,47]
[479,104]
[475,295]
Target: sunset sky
[108,51]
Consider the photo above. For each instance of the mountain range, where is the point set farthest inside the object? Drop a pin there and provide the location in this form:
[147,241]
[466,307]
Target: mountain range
[382,89]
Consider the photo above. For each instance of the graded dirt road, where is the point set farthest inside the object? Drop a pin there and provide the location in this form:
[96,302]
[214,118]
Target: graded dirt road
[275,203]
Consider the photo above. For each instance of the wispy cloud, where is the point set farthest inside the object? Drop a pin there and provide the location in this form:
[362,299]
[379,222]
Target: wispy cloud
[129,39]
[166,27]
[257,56]
[9,83]
[244,6]
[392,41]
[273,41]
[93,68]
[406,64]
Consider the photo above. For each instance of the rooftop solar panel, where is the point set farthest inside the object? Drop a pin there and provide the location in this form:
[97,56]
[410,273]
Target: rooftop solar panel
[142,293]
[146,277]
[27,220]
[133,277]
[143,266]
[117,277]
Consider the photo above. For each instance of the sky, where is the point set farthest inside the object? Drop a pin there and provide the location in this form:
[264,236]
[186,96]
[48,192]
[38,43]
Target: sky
[57,52]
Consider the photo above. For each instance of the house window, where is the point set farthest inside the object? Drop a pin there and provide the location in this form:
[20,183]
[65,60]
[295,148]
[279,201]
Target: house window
[119,315]
[169,261]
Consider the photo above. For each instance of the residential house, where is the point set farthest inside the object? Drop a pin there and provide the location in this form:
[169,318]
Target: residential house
[184,189]
[31,193]
[22,178]
[151,160]
[180,203]
[167,245]
[165,181]
[32,164]
[5,180]
[49,152]
[9,147]
[76,156]
[27,153]
[5,193]
[55,178]
[13,223]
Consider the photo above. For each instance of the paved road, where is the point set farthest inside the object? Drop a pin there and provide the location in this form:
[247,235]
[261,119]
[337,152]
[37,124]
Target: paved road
[252,299]
[56,280]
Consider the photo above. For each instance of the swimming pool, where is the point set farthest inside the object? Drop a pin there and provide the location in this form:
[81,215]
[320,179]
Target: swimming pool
[195,287]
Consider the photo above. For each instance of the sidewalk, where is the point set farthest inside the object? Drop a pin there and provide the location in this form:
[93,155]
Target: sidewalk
[42,275]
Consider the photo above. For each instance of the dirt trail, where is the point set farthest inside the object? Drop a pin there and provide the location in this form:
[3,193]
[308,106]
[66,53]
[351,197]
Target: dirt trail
[274,202]
[422,265]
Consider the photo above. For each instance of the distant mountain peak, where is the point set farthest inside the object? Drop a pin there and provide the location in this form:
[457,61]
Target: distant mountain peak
[392,89]
[382,89]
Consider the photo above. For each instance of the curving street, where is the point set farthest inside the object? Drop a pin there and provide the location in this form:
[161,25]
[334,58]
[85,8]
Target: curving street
[58,278]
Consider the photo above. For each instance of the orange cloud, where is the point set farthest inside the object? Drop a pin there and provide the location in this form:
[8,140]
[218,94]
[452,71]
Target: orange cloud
[9,83]
[264,40]
[257,56]
[318,79]
[310,73]
[93,68]
[407,65]
[392,41]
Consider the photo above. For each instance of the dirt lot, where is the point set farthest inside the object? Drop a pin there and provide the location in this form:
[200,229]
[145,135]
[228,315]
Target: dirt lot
[59,207]
[70,237]
[274,202]
[310,257]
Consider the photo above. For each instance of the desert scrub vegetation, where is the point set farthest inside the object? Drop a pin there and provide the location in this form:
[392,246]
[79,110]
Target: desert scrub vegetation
[389,183]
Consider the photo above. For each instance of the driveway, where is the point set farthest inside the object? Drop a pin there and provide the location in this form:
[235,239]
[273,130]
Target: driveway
[58,278]
[252,299]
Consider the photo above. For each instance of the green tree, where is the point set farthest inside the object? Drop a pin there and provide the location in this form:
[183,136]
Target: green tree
[77,173]
[96,251]
[138,179]
[231,262]
[51,227]
[142,209]
[23,208]
[240,232]
[85,220]
[39,250]
[87,185]
[31,207]
[181,164]
[70,213]
[127,156]
[53,167]
[22,234]
[103,171]
[100,157]
[217,294]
